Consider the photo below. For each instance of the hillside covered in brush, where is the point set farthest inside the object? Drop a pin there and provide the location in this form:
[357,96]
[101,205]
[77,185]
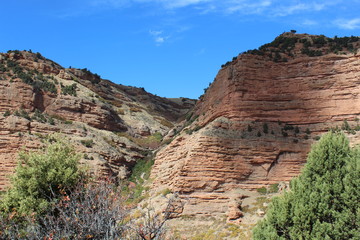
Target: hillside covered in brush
[111,124]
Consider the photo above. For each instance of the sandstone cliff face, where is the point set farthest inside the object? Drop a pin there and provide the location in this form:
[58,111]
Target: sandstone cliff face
[255,124]
[104,121]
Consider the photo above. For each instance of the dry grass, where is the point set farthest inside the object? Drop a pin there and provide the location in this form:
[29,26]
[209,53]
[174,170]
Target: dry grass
[135,109]
[152,141]
[164,122]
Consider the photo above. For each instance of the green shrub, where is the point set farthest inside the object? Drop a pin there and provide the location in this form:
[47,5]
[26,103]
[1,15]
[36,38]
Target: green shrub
[51,120]
[265,128]
[22,113]
[95,77]
[69,89]
[39,56]
[262,190]
[297,129]
[277,57]
[274,188]
[39,116]
[7,113]
[2,68]
[311,53]
[288,127]
[141,171]
[40,177]
[345,126]
[165,192]
[87,143]
[26,78]
[139,174]
[45,85]
[324,200]
[157,136]
[68,122]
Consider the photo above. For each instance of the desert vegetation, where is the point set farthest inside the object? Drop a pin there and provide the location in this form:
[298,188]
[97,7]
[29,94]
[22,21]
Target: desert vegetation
[53,197]
[284,47]
[29,76]
[323,200]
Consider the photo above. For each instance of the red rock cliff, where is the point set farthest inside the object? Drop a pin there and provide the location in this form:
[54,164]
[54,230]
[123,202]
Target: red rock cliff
[39,97]
[255,124]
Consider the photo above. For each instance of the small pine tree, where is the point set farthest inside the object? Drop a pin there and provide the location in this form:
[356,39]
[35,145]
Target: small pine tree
[323,201]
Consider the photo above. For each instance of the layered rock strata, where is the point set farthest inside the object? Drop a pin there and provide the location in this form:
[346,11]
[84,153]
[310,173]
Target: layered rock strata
[255,124]
[106,122]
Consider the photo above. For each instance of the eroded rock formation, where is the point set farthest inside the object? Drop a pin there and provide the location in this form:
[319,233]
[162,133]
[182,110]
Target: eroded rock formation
[103,120]
[255,124]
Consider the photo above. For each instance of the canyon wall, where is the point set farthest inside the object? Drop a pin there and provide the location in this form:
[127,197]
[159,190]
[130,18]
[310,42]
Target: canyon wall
[112,125]
[255,125]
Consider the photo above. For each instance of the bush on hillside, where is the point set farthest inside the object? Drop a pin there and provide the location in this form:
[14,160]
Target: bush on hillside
[69,89]
[52,198]
[323,201]
[40,177]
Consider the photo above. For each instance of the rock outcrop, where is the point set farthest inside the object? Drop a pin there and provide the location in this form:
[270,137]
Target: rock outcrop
[106,122]
[256,122]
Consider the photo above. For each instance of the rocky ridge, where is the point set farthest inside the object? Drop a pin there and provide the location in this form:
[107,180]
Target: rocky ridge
[112,125]
[255,123]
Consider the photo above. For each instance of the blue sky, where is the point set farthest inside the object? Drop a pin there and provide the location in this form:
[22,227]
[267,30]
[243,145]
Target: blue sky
[172,48]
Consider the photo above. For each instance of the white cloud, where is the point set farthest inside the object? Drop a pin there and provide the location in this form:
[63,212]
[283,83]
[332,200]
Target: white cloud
[283,11]
[180,3]
[155,33]
[246,7]
[206,9]
[158,37]
[308,22]
[349,24]
[112,3]
[164,3]
[159,40]
[274,8]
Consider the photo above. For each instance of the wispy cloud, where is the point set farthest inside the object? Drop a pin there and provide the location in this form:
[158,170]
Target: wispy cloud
[113,3]
[180,3]
[248,7]
[308,22]
[349,24]
[274,8]
[200,52]
[158,37]
[303,10]
[165,3]
[282,11]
